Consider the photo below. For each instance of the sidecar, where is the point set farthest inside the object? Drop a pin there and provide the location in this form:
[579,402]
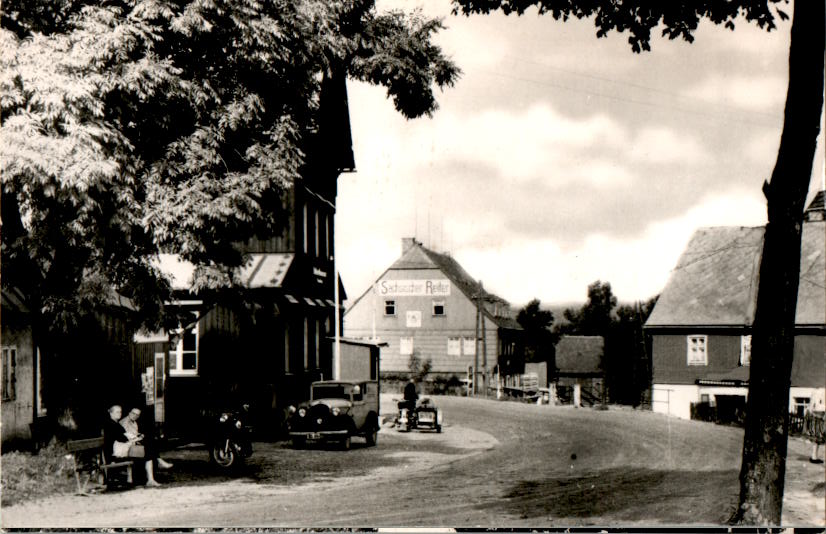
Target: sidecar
[428,415]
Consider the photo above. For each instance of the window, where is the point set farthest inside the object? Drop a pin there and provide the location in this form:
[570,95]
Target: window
[304,222]
[438,307]
[469,345]
[390,307]
[317,344]
[183,355]
[326,236]
[704,398]
[306,343]
[697,353]
[315,230]
[406,346]
[286,348]
[454,346]
[801,404]
[9,371]
[745,350]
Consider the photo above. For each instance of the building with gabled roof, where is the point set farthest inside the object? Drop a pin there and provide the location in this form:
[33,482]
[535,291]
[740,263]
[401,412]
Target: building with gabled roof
[425,304]
[701,326]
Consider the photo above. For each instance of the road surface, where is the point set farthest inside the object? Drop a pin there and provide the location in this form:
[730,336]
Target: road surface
[499,464]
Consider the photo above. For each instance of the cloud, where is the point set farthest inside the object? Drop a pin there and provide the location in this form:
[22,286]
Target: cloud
[751,93]
[637,268]
[663,145]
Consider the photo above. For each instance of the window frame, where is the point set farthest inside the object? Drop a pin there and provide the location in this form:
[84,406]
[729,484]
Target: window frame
[9,371]
[389,305]
[178,350]
[745,350]
[693,362]
[436,303]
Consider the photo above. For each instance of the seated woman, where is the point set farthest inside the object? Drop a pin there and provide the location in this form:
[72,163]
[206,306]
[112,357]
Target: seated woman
[117,443]
[133,431]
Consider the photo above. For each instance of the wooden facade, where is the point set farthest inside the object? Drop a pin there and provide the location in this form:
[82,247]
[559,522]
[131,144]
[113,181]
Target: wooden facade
[701,325]
[425,305]
[262,343]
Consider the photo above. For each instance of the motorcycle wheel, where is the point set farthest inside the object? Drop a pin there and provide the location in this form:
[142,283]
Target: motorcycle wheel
[223,457]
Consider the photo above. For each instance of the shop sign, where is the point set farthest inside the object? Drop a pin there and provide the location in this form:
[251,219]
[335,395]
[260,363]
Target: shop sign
[414,288]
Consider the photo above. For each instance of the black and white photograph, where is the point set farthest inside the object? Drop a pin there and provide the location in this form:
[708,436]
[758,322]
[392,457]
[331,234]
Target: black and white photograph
[412,265]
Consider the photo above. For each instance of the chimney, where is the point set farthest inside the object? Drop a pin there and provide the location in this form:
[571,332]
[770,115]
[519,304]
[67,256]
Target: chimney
[407,243]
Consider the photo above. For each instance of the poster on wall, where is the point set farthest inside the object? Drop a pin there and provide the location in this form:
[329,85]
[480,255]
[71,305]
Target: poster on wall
[148,385]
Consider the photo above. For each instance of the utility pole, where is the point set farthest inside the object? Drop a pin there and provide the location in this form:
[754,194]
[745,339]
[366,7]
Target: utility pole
[484,341]
[477,298]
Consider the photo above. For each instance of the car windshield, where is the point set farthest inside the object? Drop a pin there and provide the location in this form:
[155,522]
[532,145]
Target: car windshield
[331,391]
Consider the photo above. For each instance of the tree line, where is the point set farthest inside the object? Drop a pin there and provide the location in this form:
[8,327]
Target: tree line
[626,360]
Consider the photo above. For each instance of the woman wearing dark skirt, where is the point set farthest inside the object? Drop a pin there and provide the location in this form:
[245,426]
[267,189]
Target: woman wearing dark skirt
[118,444]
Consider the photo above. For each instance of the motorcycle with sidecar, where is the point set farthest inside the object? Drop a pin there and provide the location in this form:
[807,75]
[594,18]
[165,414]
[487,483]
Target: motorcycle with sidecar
[418,415]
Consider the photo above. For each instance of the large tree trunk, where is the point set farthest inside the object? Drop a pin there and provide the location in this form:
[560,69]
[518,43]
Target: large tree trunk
[767,421]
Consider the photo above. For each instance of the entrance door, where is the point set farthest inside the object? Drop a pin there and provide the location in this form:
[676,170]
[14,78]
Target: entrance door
[160,385]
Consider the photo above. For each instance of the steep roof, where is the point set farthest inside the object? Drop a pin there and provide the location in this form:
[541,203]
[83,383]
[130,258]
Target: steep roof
[579,354]
[417,256]
[715,280]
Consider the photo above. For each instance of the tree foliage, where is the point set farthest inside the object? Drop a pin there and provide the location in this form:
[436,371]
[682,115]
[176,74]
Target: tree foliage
[539,338]
[135,127]
[638,18]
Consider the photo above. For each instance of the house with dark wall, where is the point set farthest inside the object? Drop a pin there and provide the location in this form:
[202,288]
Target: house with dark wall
[701,326]
[266,340]
[579,363]
[425,304]
[88,370]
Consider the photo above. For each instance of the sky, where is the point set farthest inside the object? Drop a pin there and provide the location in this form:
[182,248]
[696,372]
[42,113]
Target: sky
[559,159]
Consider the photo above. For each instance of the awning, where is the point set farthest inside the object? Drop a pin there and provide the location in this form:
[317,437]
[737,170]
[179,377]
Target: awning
[737,377]
[261,270]
[266,270]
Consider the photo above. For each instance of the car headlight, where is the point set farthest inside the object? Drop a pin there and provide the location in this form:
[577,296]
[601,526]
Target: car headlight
[223,418]
[238,425]
[336,411]
[291,409]
[302,412]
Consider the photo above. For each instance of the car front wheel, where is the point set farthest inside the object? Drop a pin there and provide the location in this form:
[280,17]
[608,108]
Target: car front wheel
[372,436]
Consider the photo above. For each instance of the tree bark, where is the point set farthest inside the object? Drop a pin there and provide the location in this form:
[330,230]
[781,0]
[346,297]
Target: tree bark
[765,442]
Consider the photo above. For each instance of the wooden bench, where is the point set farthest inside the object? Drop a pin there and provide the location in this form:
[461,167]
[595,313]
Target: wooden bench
[88,457]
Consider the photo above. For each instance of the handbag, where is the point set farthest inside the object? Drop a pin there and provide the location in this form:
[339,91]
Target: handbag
[136,451]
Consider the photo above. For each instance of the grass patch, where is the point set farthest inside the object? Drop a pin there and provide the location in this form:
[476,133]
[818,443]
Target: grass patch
[29,476]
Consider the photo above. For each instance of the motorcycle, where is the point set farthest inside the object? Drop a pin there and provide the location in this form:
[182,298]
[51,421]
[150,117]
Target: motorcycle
[230,441]
[424,414]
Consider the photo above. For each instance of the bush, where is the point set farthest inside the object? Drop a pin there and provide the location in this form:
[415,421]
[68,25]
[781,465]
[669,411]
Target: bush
[26,476]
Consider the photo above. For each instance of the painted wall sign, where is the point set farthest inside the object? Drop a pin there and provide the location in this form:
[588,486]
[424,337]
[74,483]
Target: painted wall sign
[414,319]
[414,288]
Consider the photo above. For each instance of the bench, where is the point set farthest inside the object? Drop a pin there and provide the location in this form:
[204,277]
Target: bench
[89,458]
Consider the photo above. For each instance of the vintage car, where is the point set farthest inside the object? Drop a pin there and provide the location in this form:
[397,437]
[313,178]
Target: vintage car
[336,411]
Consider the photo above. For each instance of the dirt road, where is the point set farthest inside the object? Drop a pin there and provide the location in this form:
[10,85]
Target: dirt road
[495,464]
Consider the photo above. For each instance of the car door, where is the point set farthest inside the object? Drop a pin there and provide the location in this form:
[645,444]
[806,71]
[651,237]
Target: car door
[360,407]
